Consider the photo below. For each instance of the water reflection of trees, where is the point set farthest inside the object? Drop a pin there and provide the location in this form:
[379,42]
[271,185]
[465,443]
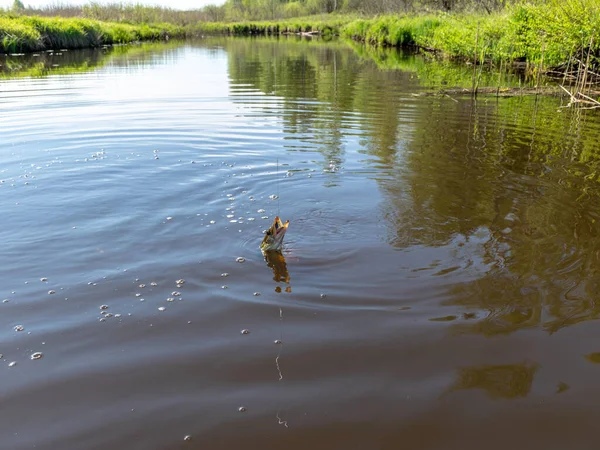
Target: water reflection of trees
[513,170]
[543,249]
[526,175]
[321,86]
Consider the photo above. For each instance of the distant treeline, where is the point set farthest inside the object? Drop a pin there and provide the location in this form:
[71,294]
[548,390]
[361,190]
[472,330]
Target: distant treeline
[241,10]
[132,13]
[238,10]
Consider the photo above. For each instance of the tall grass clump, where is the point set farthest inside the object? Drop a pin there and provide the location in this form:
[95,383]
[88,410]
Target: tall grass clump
[392,30]
[560,29]
[25,33]
[65,33]
[455,35]
[16,36]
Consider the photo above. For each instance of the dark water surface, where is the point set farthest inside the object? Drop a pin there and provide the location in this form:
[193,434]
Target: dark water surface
[439,287]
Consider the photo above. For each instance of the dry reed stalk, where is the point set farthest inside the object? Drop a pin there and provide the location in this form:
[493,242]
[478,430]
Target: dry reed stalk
[499,78]
[578,98]
[539,71]
[587,65]
[474,90]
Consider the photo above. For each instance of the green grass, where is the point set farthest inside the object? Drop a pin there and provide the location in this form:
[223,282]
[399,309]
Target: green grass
[28,34]
[550,32]
[327,25]
[454,35]
[15,35]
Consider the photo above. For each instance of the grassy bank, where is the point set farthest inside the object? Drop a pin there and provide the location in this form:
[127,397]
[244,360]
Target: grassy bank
[554,34]
[29,34]
[549,34]
[326,25]
[545,35]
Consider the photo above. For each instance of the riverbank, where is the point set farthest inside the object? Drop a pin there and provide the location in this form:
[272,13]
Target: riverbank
[543,35]
[25,34]
[323,25]
[557,36]
[22,34]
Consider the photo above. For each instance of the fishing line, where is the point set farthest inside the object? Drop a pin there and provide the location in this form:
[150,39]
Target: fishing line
[279,419]
[280,343]
[278,209]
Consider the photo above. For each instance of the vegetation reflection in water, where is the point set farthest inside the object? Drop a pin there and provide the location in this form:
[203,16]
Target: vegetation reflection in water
[65,62]
[516,183]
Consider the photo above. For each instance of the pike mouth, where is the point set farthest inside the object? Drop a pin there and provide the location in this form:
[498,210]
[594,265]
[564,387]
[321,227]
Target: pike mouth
[273,240]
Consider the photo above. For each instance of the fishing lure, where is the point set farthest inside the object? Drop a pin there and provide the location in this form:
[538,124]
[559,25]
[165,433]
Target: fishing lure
[273,240]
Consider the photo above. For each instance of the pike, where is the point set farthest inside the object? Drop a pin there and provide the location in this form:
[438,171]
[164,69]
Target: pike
[273,240]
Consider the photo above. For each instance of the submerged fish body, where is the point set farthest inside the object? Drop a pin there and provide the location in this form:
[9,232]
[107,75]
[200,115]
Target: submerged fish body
[276,261]
[273,240]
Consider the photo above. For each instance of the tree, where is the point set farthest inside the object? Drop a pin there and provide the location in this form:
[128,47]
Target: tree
[18,5]
[214,13]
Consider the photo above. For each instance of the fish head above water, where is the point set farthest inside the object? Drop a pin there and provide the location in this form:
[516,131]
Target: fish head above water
[273,240]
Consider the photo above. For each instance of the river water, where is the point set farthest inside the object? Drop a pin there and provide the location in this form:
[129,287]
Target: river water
[438,288]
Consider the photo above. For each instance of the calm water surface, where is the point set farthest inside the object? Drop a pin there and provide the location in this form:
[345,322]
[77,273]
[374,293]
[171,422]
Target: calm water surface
[438,289]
